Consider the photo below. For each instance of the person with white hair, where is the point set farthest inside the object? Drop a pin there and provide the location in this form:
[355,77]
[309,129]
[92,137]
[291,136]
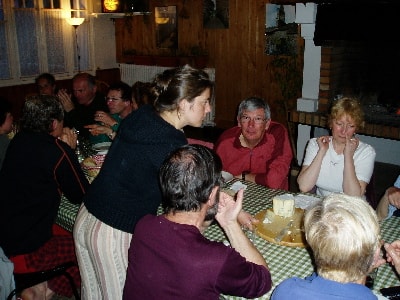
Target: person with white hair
[344,235]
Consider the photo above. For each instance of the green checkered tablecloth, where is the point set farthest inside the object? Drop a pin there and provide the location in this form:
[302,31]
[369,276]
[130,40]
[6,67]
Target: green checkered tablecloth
[283,262]
[67,214]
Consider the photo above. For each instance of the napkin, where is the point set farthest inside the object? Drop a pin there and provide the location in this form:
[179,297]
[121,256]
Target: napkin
[237,186]
[305,201]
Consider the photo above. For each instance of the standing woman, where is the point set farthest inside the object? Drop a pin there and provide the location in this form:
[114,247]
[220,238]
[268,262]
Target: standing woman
[127,188]
[340,163]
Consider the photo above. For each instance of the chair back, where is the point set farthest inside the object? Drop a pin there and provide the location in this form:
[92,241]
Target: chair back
[201,142]
[7,284]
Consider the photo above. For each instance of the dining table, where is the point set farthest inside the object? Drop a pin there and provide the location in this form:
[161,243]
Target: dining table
[283,261]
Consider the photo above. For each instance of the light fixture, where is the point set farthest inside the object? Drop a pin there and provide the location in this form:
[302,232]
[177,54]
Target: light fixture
[76,22]
[161,16]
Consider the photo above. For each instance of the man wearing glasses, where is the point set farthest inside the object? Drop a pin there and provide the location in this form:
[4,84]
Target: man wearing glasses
[257,149]
[119,102]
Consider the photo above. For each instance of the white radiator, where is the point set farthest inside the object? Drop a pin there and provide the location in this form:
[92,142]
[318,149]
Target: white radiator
[131,73]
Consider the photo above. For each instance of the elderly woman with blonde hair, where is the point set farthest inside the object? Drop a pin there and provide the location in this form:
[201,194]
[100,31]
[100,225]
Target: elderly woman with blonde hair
[344,235]
[340,163]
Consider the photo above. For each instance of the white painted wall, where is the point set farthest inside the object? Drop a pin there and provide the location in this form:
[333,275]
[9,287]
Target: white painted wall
[104,42]
[387,151]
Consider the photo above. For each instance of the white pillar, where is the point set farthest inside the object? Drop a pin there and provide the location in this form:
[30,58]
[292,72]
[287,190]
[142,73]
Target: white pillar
[305,16]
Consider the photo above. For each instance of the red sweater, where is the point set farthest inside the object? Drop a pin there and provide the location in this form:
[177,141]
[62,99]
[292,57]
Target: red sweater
[269,160]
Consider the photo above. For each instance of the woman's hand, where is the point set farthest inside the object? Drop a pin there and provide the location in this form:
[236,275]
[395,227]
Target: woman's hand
[323,143]
[351,145]
[69,136]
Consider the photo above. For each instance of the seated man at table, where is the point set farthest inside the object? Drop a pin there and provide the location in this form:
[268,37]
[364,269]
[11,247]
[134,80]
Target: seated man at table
[344,235]
[169,258]
[80,110]
[258,149]
[121,100]
[40,164]
[390,202]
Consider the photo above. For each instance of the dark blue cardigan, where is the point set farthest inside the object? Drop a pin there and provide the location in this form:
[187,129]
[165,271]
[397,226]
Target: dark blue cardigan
[127,186]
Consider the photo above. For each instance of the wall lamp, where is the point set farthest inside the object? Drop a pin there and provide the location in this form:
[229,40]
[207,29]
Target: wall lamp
[76,22]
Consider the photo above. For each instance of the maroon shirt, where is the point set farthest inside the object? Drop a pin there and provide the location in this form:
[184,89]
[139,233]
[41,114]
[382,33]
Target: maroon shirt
[168,260]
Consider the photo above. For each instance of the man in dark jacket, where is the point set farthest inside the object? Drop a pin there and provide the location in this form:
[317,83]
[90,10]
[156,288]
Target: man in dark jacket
[40,164]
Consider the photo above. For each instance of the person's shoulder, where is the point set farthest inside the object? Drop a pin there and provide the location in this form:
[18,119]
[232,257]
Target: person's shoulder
[144,112]
[313,141]
[146,220]
[276,129]
[229,134]
[364,147]
[285,289]
[276,125]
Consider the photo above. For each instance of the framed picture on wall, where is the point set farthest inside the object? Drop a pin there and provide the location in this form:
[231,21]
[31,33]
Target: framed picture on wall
[216,14]
[281,31]
[166,27]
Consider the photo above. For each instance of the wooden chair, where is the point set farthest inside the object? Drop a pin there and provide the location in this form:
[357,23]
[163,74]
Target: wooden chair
[27,280]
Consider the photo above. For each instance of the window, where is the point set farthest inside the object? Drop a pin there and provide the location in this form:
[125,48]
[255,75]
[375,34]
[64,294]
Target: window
[35,38]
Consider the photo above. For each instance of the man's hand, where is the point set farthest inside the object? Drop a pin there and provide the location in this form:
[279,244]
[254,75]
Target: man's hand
[104,118]
[229,209]
[96,129]
[69,136]
[247,220]
[65,100]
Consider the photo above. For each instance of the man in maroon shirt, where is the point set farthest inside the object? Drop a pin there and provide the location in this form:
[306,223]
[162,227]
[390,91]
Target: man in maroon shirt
[169,258]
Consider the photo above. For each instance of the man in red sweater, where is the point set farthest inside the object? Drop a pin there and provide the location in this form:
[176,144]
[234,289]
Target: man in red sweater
[258,149]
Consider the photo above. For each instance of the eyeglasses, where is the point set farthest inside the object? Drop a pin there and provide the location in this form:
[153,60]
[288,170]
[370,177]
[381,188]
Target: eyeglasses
[257,120]
[112,99]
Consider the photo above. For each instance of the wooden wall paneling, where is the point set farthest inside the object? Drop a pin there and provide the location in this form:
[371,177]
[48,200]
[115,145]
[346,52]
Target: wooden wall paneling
[236,53]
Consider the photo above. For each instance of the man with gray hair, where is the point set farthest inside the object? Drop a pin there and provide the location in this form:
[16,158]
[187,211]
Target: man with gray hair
[169,258]
[257,149]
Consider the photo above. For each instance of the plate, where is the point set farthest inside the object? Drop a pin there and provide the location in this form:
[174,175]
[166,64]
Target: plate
[226,176]
[294,237]
[101,148]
